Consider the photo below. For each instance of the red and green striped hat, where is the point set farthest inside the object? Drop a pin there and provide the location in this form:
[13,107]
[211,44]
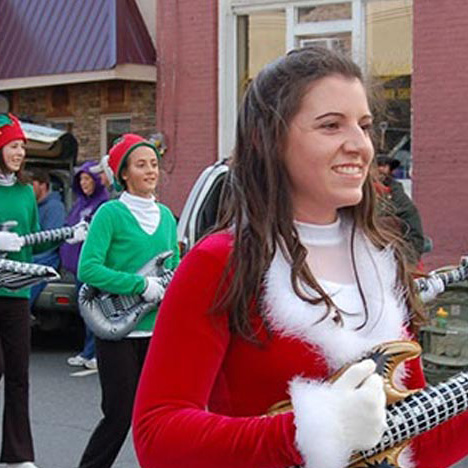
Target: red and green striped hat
[121,150]
[10,129]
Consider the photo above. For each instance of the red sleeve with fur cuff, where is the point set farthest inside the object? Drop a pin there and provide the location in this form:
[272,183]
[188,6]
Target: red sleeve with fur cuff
[444,445]
[172,426]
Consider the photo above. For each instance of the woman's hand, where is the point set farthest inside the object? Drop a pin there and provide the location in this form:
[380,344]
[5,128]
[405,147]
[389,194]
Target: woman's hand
[361,405]
[333,420]
[80,231]
[10,242]
[154,291]
[435,286]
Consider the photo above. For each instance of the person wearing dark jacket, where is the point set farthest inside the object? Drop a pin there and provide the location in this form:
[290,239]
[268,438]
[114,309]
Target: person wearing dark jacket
[90,194]
[51,216]
[403,208]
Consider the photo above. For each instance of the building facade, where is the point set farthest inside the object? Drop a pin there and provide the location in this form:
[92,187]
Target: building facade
[225,43]
[208,54]
[440,126]
[87,67]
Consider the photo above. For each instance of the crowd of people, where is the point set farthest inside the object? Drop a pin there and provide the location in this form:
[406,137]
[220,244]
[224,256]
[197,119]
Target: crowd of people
[300,277]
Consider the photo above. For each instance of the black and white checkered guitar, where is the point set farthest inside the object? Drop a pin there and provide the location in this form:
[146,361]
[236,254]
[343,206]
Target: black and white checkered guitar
[409,412]
[454,275]
[113,316]
[49,235]
[17,275]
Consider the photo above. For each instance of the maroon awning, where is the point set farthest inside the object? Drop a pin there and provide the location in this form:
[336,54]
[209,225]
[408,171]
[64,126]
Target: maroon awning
[44,37]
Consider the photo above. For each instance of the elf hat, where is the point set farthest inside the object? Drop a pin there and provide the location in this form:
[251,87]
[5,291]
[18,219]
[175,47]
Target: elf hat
[10,129]
[121,150]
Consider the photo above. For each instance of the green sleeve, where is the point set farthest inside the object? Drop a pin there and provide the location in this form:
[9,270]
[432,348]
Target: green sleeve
[175,259]
[91,267]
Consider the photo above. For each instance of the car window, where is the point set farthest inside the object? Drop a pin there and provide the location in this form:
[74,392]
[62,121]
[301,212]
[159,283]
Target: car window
[209,208]
[201,207]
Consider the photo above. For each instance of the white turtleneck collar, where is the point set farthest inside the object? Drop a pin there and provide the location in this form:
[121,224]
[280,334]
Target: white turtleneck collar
[7,180]
[145,210]
[320,234]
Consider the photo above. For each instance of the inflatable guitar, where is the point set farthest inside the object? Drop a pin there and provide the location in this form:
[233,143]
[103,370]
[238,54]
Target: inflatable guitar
[50,235]
[409,412]
[112,316]
[454,275]
[17,275]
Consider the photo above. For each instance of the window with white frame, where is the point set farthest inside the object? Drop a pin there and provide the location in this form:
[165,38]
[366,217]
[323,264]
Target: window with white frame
[389,43]
[376,33]
[112,127]
[255,32]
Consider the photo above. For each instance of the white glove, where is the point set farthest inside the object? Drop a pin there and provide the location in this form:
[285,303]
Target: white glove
[10,242]
[333,420]
[154,291]
[435,287]
[361,405]
[80,231]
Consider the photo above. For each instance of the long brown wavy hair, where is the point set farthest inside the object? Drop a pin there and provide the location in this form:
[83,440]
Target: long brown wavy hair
[257,205]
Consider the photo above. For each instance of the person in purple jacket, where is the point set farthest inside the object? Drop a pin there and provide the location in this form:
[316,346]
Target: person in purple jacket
[90,194]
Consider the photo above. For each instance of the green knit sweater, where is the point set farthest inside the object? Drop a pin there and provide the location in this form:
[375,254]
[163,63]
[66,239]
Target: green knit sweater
[18,203]
[116,248]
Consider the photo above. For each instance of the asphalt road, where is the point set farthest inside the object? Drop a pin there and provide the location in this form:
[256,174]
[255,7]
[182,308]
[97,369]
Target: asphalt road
[64,406]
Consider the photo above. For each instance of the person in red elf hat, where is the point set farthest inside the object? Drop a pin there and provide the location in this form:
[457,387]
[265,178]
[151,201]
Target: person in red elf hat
[125,234]
[17,204]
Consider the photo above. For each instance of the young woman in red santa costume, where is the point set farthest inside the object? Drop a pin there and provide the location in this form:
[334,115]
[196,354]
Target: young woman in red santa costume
[297,281]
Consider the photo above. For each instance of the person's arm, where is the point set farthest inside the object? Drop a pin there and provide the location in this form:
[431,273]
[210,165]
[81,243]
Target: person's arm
[411,226]
[172,426]
[91,265]
[174,261]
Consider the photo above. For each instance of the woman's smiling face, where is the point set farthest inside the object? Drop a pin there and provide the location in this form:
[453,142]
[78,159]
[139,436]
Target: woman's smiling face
[141,173]
[329,149]
[13,155]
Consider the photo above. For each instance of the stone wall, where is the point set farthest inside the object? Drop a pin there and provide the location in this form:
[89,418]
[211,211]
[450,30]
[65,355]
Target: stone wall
[83,106]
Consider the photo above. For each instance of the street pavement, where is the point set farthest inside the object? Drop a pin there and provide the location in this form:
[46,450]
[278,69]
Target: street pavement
[64,406]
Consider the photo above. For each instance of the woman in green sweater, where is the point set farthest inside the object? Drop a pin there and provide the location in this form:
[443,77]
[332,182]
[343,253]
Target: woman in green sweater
[124,235]
[18,204]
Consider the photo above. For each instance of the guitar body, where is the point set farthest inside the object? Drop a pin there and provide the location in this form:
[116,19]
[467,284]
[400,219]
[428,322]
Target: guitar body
[113,316]
[409,412]
[387,357]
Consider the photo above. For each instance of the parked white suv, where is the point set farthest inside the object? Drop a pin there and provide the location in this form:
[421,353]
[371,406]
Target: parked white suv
[200,209]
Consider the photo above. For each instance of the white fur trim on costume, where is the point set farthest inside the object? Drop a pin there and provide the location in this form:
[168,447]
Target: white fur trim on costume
[406,458]
[291,316]
[317,426]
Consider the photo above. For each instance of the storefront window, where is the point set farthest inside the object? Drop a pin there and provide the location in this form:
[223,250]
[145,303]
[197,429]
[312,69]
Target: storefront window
[262,39]
[333,12]
[377,34]
[112,128]
[336,41]
[389,62]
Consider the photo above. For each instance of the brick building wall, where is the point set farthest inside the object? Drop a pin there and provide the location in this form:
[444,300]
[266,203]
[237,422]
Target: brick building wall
[440,126]
[84,106]
[186,92]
